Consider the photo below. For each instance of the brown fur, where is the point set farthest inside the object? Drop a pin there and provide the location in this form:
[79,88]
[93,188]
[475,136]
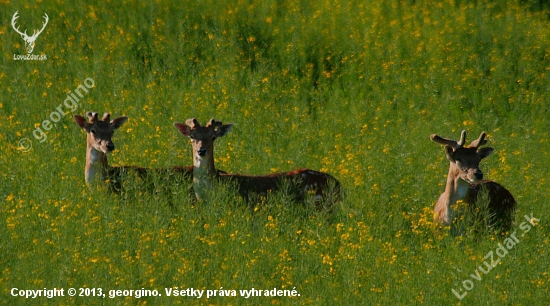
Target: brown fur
[300,181]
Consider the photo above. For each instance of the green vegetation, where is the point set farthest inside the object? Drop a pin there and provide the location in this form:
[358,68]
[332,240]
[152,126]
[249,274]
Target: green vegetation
[352,88]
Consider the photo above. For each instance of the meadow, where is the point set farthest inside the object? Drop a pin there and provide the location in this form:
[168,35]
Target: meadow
[351,88]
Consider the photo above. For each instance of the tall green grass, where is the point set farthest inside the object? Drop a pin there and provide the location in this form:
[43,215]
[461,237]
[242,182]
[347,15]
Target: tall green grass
[347,87]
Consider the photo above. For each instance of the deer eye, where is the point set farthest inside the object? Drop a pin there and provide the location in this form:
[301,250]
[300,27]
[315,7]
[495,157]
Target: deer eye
[93,131]
[213,138]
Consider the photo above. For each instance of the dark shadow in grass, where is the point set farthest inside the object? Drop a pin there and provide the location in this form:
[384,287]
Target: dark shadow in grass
[162,194]
[289,201]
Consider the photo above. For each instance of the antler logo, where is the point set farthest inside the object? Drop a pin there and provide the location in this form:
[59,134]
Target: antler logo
[29,40]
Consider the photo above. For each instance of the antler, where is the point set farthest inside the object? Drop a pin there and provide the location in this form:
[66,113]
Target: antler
[479,142]
[192,123]
[459,144]
[462,138]
[43,26]
[214,123]
[449,142]
[15,16]
[35,33]
[92,116]
[106,117]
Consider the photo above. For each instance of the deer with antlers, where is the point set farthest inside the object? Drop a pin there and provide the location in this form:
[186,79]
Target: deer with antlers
[29,40]
[465,182]
[301,181]
[99,144]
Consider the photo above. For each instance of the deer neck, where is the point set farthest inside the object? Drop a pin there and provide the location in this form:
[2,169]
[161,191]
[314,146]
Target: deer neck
[455,189]
[96,163]
[204,174]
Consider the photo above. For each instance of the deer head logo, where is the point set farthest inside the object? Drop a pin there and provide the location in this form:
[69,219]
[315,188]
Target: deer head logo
[29,40]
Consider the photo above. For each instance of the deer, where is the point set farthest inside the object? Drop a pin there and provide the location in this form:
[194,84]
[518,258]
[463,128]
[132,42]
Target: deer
[205,175]
[29,40]
[465,182]
[99,144]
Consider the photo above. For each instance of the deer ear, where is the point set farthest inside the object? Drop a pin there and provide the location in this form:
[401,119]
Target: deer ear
[81,121]
[222,130]
[484,152]
[118,122]
[183,129]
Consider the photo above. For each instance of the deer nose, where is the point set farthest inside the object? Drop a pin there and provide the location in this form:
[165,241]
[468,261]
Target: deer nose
[110,146]
[202,152]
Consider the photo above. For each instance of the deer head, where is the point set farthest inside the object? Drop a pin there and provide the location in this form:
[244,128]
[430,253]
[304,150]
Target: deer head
[29,40]
[465,159]
[202,138]
[100,131]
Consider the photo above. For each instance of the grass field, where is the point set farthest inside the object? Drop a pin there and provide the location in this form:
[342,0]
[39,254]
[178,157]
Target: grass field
[352,88]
